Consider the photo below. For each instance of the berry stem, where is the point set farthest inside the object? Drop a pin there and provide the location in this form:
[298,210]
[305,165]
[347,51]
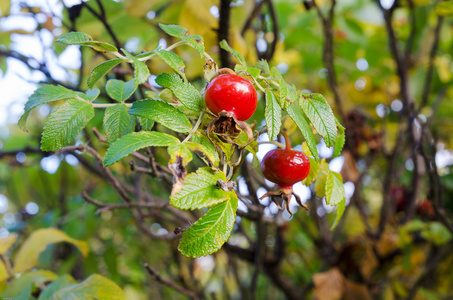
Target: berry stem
[288,142]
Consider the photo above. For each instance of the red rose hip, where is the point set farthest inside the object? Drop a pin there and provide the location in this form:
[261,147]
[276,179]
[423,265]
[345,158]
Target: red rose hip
[233,94]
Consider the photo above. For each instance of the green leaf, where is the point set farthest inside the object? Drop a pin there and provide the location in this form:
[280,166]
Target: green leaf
[120,90]
[184,91]
[162,113]
[445,9]
[94,287]
[25,294]
[335,194]
[200,190]
[45,93]
[141,71]
[195,41]
[179,150]
[173,61]
[92,94]
[60,283]
[339,141]
[204,153]
[200,138]
[210,232]
[273,114]
[100,70]
[314,169]
[37,242]
[83,39]
[436,232]
[224,45]
[263,66]
[321,116]
[146,124]
[297,115]
[36,278]
[65,123]
[136,141]
[117,122]
[321,179]
[7,242]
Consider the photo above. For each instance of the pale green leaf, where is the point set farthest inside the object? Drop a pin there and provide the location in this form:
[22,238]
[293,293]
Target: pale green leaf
[3,271]
[314,169]
[200,138]
[37,242]
[205,153]
[263,66]
[83,39]
[334,189]
[184,91]
[92,94]
[195,41]
[321,179]
[273,114]
[162,113]
[7,242]
[136,141]
[120,90]
[45,93]
[321,116]
[200,190]
[297,115]
[141,71]
[60,283]
[445,9]
[25,294]
[117,122]
[179,150]
[210,232]
[100,70]
[240,58]
[340,210]
[173,61]
[339,141]
[94,287]
[65,123]
[37,278]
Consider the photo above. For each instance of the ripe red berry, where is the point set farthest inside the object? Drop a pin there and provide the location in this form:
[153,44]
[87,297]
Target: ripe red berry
[285,167]
[233,94]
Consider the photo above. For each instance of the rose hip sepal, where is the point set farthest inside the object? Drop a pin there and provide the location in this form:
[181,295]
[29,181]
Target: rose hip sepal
[233,99]
[285,167]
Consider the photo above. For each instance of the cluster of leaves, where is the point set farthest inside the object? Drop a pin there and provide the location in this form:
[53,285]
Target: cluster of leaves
[200,189]
[44,282]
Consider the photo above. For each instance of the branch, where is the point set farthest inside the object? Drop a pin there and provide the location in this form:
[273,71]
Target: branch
[223,31]
[271,50]
[252,16]
[169,283]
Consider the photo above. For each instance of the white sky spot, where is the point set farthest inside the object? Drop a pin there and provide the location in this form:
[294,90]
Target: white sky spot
[3,204]
[261,45]
[242,206]
[320,211]
[381,110]
[362,64]
[360,84]
[3,233]
[162,43]
[132,44]
[323,150]
[206,263]
[283,67]
[323,72]
[387,3]
[242,187]
[349,189]
[152,81]
[50,164]
[336,164]
[260,192]
[21,157]
[396,105]
[151,14]
[409,164]
[32,208]
[9,220]
[70,57]
[71,160]
[214,10]
[444,158]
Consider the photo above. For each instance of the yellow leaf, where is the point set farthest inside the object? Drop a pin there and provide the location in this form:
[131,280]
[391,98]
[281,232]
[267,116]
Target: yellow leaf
[288,125]
[443,65]
[3,272]
[7,242]
[139,8]
[195,16]
[27,257]
[329,285]
[4,7]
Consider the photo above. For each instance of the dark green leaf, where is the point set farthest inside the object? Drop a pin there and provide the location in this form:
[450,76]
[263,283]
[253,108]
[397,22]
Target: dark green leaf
[65,123]
[100,70]
[297,115]
[141,71]
[146,124]
[273,114]
[321,116]
[210,232]
[173,61]
[184,91]
[200,190]
[120,90]
[117,122]
[224,45]
[45,93]
[136,141]
[162,113]
[83,39]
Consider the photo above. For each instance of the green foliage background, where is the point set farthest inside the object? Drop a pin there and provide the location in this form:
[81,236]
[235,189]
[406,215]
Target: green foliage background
[117,249]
